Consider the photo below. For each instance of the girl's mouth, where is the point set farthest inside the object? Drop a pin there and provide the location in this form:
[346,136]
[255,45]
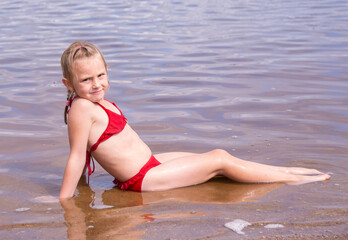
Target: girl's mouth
[97,92]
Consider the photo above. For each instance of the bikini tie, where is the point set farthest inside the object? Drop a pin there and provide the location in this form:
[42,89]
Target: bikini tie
[68,103]
[89,159]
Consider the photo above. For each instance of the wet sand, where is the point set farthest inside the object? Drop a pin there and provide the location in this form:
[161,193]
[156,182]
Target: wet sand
[265,80]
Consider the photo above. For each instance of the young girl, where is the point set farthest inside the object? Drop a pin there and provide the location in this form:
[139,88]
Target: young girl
[98,129]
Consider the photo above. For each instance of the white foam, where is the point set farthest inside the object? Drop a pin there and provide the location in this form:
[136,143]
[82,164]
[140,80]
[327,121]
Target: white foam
[22,209]
[46,199]
[4,170]
[237,225]
[274,226]
[51,176]
[97,206]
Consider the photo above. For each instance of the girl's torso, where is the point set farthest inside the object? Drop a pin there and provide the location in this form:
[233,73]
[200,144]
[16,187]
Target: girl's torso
[124,153]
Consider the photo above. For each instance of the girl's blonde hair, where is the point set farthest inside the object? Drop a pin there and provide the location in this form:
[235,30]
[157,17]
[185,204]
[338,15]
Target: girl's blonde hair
[75,51]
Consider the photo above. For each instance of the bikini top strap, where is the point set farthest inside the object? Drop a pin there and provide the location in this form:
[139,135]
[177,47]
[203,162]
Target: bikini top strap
[112,104]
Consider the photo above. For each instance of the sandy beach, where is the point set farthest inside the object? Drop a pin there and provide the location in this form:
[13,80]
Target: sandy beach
[264,80]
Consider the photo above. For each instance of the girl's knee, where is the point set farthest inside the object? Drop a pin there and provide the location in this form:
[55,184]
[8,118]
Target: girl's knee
[220,153]
[220,157]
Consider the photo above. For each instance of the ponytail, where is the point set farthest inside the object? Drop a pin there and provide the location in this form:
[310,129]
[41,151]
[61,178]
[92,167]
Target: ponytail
[69,99]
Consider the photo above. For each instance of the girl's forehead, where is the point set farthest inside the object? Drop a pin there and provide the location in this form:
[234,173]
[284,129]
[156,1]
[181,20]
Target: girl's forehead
[88,63]
[93,58]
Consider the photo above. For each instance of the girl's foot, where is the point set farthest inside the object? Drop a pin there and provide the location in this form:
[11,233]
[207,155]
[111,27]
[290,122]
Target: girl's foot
[302,179]
[301,171]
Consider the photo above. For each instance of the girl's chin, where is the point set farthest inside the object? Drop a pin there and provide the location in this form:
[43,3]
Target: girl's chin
[97,94]
[97,98]
[93,97]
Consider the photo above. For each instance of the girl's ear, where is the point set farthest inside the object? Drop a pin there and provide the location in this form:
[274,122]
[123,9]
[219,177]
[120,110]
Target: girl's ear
[67,84]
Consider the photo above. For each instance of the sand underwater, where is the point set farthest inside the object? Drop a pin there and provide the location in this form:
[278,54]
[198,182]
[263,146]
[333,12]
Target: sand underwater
[264,80]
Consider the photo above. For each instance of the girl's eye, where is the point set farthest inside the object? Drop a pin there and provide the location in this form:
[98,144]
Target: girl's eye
[85,80]
[101,75]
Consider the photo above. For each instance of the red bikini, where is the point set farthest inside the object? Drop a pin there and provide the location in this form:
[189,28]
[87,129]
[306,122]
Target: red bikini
[116,124]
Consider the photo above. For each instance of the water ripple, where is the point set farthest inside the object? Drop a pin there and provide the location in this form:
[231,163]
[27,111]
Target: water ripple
[189,75]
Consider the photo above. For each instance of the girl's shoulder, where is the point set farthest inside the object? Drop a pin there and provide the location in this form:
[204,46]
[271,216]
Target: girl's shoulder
[82,103]
[82,107]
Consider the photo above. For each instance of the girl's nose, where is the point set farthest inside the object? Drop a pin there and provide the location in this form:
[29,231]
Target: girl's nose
[96,83]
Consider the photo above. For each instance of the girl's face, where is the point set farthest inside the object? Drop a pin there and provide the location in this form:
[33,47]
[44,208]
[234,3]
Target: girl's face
[90,79]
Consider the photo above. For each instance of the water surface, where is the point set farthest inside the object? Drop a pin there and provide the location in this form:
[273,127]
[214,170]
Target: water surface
[265,80]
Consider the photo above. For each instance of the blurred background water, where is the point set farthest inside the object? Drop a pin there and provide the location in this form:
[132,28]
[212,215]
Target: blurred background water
[265,80]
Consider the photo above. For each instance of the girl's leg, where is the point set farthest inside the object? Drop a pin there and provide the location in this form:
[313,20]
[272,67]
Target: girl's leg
[185,169]
[163,157]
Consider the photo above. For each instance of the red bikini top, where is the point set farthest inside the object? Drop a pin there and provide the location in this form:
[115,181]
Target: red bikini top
[116,124]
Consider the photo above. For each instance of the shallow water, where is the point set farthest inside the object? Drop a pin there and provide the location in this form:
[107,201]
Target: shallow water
[265,80]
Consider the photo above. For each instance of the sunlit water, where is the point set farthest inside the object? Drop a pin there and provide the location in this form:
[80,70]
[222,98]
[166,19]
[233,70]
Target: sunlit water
[265,80]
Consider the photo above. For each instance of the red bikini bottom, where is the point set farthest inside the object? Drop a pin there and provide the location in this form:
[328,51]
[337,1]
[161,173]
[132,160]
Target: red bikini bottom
[136,181]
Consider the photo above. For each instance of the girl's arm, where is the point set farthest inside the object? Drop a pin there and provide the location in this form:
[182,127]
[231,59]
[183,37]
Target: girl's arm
[79,124]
